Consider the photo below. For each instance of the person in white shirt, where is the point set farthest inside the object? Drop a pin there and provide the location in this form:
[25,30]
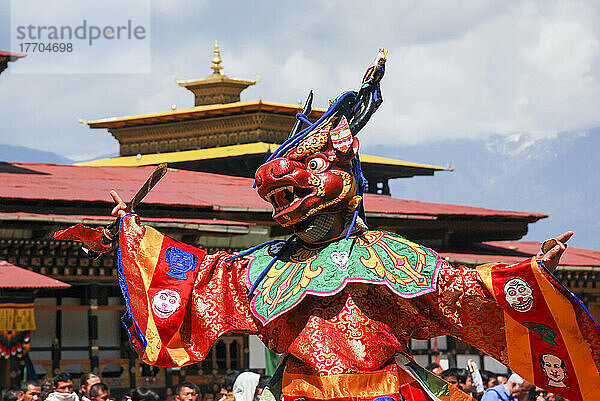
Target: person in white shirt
[62,389]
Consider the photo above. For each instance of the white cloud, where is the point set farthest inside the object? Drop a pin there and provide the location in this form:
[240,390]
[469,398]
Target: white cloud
[530,69]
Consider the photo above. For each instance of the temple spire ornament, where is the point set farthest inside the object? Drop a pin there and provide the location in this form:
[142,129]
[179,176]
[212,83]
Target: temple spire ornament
[216,88]
[216,61]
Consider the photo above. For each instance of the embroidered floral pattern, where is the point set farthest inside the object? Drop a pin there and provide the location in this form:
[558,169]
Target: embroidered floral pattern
[376,257]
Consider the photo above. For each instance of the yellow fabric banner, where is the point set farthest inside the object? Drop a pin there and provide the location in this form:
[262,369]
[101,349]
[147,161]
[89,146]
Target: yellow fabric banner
[17,317]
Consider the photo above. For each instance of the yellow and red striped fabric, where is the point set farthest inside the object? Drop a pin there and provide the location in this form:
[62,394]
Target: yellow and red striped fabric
[156,275]
[386,384]
[344,387]
[550,336]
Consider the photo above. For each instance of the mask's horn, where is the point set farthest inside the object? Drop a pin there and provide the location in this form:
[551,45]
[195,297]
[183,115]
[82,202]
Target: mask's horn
[306,111]
[369,95]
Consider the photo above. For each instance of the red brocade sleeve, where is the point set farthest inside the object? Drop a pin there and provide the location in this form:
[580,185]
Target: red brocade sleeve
[178,299]
[522,316]
[463,308]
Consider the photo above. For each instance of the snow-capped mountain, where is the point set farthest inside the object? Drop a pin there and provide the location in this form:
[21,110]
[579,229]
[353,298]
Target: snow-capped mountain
[558,175]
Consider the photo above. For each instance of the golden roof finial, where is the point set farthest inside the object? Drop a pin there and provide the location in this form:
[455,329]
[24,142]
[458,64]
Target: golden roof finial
[216,67]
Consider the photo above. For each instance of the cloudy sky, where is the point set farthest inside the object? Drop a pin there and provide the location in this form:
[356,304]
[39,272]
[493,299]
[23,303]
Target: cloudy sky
[455,69]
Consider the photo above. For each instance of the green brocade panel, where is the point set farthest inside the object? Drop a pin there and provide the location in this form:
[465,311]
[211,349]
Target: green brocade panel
[377,257]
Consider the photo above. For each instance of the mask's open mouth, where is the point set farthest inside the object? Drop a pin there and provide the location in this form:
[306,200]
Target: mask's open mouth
[523,305]
[284,197]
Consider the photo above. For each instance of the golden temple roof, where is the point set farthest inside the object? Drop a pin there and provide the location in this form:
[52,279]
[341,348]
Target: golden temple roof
[212,79]
[232,151]
[212,110]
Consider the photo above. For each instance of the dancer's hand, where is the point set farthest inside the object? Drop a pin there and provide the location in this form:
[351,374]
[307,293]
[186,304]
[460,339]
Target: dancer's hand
[118,210]
[553,249]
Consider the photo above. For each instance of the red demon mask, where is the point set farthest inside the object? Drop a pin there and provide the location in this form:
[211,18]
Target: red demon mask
[316,170]
[313,177]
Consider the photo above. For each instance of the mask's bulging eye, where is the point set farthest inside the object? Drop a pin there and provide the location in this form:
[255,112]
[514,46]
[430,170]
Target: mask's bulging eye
[316,164]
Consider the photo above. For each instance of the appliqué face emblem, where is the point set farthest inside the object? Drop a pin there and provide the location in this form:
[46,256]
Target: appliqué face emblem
[518,294]
[555,370]
[341,137]
[340,259]
[180,262]
[165,303]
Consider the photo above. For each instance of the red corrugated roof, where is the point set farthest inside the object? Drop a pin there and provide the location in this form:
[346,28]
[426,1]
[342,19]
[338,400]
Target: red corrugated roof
[82,219]
[571,257]
[12,276]
[386,204]
[185,188]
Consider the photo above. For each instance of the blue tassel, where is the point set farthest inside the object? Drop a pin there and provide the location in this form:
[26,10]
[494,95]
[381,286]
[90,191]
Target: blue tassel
[290,142]
[271,263]
[358,174]
[351,228]
[361,183]
[248,251]
[303,118]
[293,141]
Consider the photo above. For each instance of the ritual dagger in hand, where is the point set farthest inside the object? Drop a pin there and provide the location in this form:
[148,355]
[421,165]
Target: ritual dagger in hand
[108,235]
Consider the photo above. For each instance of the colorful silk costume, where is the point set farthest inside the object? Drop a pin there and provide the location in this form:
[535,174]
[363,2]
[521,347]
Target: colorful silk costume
[343,341]
[344,309]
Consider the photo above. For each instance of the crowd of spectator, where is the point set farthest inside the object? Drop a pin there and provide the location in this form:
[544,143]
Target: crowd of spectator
[484,385]
[245,386]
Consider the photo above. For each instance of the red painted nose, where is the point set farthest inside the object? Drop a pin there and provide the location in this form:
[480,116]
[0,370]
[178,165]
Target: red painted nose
[273,170]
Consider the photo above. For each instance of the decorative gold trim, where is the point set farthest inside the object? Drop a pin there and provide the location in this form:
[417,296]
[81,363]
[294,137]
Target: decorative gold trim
[317,182]
[314,142]
[369,239]
[308,273]
[200,112]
